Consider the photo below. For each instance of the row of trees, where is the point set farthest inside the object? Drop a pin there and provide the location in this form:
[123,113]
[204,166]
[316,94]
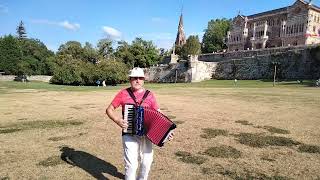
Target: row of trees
[108,60]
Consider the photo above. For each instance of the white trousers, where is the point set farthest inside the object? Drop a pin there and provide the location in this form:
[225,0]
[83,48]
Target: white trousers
[137,148]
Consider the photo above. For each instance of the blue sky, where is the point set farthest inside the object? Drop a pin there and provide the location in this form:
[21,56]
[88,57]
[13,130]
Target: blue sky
[55,22]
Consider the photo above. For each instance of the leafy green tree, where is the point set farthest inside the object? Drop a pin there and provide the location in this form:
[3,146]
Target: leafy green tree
[90,54]
[213,39]
[21,31]
[113,72]
[105,48]
[66,71]
[73,49]
[34,55]
[10,54]
[144,52]
[123,52]
[192,46]
[140,53]
[178,50]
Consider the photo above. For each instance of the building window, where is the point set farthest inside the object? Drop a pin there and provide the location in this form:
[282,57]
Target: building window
[314,28]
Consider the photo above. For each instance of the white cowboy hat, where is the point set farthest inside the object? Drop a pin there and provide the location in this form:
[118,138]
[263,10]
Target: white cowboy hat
[136,72]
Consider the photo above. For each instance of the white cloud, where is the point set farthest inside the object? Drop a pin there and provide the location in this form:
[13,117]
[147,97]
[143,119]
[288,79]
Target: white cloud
[112,32]
[4,9]
[70,26]
[65,24]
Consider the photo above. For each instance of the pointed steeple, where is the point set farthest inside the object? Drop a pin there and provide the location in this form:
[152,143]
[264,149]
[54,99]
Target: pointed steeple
[181,38]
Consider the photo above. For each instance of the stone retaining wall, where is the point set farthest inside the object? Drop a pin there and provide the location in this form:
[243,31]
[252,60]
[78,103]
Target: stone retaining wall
[30,78]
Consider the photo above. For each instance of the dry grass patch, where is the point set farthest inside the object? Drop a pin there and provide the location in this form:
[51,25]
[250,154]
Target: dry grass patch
[37,125]
[178,122]
[51,161]
[4,178]
[304,148]
[251,175]
[223,152]
[9,130]
[276,130]
[60,138]
[187,157]
[207,171]
[76,107]
[171,117]
[244,122]
[258,140]
[22,119]
[267,159]
[212,133]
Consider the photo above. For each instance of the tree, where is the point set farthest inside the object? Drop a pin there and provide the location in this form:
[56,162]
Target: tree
[73,49]
[67,71]
[21,31]
[192,46]
[140,53]
[123,52]
[34,56]
[213,38]
[105,48]
[10,54]
[144,52]
[90,53]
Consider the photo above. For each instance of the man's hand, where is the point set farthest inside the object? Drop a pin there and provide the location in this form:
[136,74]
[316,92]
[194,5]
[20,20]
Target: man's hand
[171,136]
[121,123]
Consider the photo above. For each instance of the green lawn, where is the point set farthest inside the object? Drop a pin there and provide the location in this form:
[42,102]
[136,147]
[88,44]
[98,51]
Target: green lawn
[204,84]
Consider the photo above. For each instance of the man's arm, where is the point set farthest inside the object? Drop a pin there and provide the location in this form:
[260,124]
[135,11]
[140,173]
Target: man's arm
[110,111]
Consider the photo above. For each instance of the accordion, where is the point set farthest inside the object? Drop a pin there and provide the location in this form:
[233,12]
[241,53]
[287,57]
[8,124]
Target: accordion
[147,121]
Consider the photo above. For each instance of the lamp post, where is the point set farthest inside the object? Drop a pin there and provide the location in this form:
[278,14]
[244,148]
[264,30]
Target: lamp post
[275,64]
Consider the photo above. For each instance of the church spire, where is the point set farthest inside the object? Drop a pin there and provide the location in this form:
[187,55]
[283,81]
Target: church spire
[181,38]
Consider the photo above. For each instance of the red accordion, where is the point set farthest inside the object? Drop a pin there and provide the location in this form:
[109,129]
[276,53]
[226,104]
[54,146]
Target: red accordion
[157,126]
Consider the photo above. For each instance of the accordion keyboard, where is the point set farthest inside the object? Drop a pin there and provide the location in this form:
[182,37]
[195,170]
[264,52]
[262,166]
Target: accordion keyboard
[128,117]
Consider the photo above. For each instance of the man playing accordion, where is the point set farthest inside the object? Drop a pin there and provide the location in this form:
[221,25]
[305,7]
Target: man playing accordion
[134,145]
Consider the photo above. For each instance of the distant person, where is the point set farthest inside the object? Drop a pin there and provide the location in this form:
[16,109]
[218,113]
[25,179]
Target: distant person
[98,82]
[134,146]
[104,83]
[318,83]
[235,82]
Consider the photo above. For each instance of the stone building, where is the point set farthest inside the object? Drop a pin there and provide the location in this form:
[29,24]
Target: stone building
[298,24]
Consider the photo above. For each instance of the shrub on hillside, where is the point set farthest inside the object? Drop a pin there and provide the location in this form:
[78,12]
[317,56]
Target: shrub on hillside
[113,72]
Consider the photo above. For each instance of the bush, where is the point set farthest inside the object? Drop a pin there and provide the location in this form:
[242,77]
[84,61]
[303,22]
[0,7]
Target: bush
[72,71]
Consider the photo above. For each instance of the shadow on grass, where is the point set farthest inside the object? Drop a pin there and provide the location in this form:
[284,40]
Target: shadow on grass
[90,163]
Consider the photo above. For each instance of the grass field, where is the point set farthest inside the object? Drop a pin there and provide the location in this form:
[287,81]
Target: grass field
[251,131]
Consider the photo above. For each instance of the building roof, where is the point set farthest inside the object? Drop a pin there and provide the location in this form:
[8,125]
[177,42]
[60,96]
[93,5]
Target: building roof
[283,10]
[280,10]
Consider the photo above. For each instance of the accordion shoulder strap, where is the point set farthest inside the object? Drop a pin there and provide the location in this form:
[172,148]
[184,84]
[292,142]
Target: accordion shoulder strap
[135,99]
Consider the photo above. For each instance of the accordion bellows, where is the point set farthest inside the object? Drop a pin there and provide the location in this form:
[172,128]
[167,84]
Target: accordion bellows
[157,126]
